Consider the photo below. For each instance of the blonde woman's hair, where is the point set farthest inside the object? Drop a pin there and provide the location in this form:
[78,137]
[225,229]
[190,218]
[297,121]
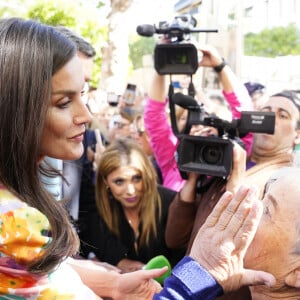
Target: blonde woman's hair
[119,153]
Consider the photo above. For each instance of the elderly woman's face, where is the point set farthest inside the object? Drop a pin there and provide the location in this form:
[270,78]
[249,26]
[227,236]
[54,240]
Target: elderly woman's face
[273,248]
[67,114]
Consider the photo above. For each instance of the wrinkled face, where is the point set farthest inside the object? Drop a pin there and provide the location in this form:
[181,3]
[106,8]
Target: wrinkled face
[275,247]
[67,114]
[126,185]
[287,115]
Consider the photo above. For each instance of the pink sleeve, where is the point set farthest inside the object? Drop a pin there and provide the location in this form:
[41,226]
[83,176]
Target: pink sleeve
[236,106]
[163,142]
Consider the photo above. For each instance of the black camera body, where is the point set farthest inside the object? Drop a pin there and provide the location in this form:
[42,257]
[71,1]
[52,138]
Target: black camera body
[204,155]
[177,56]
[175,59]
[213,155]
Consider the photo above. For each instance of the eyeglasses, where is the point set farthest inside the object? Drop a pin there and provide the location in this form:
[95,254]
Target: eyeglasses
[120,125]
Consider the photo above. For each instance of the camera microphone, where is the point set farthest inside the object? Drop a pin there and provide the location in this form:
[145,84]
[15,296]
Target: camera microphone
[187,102]
[146,30]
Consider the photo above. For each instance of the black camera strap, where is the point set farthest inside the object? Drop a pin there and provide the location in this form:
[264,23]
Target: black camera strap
[172,108]
[191,92]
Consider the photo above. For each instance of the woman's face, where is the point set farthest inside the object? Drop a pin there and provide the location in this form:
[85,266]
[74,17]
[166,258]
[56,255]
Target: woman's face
[273,248]
[67,114]
[126,185]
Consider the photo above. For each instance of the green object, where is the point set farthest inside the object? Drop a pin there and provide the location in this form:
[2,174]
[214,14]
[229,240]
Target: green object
[158,262]
[297,148]
[296,153]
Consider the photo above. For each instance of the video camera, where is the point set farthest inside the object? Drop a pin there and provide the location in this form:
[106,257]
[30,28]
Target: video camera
[213,155]
[177,56]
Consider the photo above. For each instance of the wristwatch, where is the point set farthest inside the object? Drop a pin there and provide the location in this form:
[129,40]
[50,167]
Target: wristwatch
[220,67]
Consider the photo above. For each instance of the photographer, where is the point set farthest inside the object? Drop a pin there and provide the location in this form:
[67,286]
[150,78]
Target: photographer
[270,152]
[162,138]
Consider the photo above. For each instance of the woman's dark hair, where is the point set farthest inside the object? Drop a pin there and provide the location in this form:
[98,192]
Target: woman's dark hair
[30,54]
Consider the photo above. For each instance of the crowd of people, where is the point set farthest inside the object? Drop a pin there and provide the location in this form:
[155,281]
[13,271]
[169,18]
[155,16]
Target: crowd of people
[86,202]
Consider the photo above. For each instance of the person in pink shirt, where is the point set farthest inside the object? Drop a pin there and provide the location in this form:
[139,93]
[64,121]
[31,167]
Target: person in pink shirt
[162,138]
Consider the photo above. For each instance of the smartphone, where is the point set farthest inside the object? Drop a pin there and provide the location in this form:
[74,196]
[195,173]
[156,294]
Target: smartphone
[129,94]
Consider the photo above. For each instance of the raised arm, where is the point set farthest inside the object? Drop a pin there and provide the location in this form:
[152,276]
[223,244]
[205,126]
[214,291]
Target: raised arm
[158,90]
[234,91]
[162,139]
[228,79]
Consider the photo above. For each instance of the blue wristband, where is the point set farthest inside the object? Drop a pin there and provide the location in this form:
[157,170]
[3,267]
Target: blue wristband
[198,281]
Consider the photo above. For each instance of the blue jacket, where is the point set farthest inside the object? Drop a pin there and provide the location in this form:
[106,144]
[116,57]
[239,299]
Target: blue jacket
[189,281]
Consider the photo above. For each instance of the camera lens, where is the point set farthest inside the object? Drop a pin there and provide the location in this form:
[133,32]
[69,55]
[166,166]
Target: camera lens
[211,155]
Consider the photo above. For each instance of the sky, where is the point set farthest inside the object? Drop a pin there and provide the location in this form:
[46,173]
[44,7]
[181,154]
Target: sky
[151,12]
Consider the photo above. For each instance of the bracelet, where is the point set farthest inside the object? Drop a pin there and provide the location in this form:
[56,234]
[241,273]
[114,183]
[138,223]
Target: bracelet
[220,67]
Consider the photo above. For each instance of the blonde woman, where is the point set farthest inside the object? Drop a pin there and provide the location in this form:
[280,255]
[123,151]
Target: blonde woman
[133,209]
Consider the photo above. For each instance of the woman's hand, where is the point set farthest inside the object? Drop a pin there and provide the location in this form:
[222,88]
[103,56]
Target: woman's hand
[138,285]
[210,56]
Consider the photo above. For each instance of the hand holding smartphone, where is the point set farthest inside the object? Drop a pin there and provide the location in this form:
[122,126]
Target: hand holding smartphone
[129,94]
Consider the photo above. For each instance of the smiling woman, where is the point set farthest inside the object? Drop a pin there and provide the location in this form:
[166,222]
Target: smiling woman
[67,115]
[129,229]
